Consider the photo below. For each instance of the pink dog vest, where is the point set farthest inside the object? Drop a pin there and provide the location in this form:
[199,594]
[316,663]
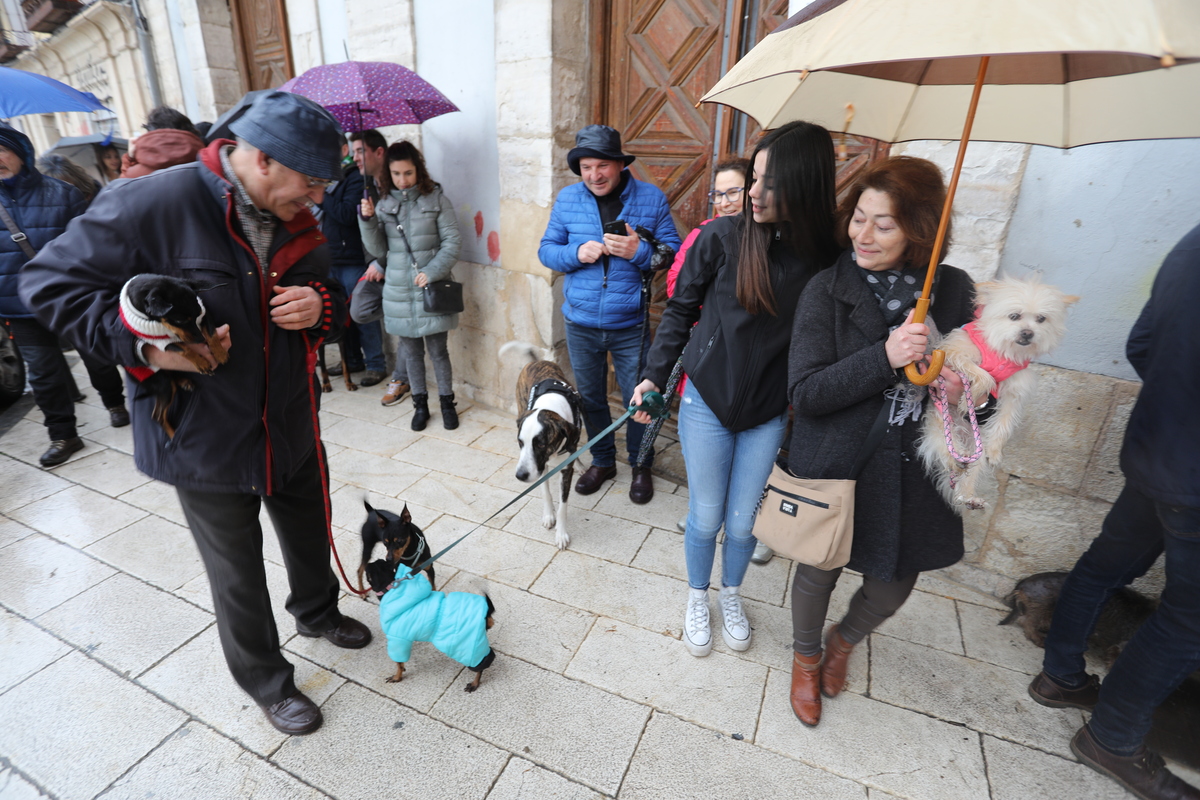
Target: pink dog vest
[994,364]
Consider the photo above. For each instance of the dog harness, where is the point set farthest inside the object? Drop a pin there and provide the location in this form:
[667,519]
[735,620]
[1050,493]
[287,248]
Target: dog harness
[148,330]
[555,386]
[994,364]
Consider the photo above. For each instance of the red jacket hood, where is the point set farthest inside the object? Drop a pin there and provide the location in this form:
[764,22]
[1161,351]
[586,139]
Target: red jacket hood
[160,149]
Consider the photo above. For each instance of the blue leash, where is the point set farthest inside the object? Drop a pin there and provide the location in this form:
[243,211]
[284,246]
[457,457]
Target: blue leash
[652,403]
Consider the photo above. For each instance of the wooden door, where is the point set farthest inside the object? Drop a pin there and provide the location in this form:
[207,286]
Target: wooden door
[260,34]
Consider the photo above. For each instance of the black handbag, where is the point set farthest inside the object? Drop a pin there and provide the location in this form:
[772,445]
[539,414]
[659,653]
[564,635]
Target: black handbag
[440,297]
[443,297]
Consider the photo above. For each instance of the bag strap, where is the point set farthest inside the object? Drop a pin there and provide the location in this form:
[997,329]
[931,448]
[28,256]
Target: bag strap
[18,235]
[873,439]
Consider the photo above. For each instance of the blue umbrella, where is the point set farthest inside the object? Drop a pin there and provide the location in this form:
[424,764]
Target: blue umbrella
[24,92]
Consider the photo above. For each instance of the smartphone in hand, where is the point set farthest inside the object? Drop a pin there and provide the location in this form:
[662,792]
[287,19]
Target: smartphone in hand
[616,227]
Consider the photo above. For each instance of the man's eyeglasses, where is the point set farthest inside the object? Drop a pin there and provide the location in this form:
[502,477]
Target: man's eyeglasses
[313,183]
[729,196]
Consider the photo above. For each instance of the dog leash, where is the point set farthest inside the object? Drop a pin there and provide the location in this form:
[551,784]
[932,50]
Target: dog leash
[942,402]
[652,403]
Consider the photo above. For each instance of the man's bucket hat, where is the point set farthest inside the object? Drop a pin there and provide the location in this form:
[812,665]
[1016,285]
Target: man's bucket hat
[294,131]
[597,141]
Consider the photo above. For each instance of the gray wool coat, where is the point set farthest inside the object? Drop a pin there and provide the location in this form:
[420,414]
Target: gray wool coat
[837,372]
[430,225]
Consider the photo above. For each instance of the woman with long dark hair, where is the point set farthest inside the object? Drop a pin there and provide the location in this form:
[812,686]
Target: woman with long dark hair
[853,337]
[741,281]
[414,234]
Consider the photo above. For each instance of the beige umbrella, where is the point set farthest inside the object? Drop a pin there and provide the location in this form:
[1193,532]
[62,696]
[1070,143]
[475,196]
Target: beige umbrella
[1057,72]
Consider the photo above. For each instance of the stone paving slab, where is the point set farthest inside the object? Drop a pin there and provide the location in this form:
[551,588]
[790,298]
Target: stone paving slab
[125,623]
[14,787]
[1022,773]
[490,553]
[592,532]
[880,745]
[678,760]
[383,476]
[38,573]
[570,727]
[77,515]
[985,639]
[926,619]
[153,549]
[12,531]
[204,764]
[983,697]
[158,498]
[451,457]
[24,484]
[524,780]
[367,437]
[24,650]
[373,747]
[717,691]
[75,726]
[109,471]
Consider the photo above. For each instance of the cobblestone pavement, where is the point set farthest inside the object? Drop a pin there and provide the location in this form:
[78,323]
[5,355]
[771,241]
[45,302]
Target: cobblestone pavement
[112,683]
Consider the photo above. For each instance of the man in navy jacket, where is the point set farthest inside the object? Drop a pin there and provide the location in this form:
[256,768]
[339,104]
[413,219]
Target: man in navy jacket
[1157,512]
[602,291]
[40,207]
[235,221]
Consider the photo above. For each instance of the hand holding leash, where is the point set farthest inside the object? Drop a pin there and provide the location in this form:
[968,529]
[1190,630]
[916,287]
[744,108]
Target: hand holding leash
[647,403]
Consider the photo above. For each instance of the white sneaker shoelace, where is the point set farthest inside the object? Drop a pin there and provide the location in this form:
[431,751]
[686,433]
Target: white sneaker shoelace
[736,626]
[696,631]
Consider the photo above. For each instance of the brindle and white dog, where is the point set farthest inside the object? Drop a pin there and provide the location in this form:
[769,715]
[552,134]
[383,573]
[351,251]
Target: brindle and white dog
[548,425]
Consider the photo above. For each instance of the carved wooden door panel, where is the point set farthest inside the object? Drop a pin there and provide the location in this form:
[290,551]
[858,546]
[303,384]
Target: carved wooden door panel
[261,36]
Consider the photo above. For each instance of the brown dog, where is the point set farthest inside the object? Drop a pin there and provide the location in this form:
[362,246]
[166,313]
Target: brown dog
[548,426]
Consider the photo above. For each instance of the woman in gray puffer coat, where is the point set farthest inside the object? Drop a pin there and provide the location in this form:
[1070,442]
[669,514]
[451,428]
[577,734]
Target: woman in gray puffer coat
[414,235]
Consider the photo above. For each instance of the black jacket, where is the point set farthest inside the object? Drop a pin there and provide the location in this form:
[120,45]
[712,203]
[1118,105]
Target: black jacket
[1161,453]
[40,206]
[339,221]
[838,372]
[736,360]
[249,425]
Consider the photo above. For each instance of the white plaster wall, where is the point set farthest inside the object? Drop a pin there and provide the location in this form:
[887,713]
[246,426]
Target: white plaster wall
[1097,222]
[456,52]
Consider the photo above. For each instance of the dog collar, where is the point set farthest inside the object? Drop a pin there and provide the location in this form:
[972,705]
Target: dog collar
[994,364]
[143,327]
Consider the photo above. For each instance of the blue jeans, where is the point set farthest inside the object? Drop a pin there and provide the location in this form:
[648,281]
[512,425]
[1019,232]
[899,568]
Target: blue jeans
[726,475]
[1166,648]
[364,341]
[589,349]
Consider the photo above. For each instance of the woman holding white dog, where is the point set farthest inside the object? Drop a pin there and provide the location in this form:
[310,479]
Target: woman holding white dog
[741,280]
[853,336]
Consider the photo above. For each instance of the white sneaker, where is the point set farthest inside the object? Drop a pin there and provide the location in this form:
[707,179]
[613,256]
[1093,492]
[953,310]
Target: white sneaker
[736,628]
[762,554]
[682,524]
[697,635]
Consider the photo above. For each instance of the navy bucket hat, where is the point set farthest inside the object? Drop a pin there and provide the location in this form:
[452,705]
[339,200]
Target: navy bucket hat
[294,131]
[597,141]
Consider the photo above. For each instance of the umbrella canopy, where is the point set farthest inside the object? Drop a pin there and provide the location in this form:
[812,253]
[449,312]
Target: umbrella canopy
[1061,74]
[24,92]
[371,94]
[220,128]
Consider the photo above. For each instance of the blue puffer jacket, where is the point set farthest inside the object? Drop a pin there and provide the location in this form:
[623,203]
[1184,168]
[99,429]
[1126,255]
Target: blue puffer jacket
[608,293]
[454,622]
[40,206]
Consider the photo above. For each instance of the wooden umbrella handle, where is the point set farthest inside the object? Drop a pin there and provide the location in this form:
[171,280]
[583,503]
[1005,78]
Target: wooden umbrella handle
[937,357]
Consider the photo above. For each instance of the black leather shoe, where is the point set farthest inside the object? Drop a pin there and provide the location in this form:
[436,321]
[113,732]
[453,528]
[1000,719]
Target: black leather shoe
[641,491]
[118,416]
[349,633]
[295,716]
[1045,691]
[372,377]
[1142,773]
[593,477]
[60,450]
[336,369]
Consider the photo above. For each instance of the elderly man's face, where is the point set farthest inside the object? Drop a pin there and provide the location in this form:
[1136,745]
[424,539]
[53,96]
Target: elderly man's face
[10,163]
[600,175]
[283,191]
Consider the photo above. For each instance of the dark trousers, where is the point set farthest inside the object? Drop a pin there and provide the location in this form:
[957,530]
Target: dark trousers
[229,537]
[50,377]
[872,605]
[1166,648]
[364,341]
[589,349]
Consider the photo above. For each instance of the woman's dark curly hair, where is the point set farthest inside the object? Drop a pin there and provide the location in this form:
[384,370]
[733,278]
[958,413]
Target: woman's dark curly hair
[407,151]
[917,191]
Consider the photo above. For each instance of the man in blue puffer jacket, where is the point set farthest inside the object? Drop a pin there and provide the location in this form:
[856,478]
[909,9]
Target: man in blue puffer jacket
[41,207]
[602,292]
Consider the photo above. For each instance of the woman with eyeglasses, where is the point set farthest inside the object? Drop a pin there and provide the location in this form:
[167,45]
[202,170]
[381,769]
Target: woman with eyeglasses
[413,233]
[741,281]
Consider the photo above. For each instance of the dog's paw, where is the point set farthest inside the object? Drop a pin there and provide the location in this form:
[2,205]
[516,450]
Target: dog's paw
[973,503]
[352,387]
[548,520]
[394,679]
[562,539]
[470,687]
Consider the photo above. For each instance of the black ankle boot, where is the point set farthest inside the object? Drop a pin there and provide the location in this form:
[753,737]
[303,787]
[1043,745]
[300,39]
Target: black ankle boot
[420,411]
[449,415]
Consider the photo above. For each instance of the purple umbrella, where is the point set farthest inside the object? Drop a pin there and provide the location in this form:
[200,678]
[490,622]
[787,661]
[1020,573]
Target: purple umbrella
[370,94]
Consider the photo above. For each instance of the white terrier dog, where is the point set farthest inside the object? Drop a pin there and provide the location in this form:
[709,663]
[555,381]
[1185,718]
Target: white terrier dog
[1016,321]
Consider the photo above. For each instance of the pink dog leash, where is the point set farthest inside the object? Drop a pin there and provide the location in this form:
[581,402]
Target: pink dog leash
[941,401]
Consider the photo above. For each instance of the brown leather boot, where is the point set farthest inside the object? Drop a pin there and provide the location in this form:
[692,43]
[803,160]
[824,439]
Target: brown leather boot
[806,691]
[837,659]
